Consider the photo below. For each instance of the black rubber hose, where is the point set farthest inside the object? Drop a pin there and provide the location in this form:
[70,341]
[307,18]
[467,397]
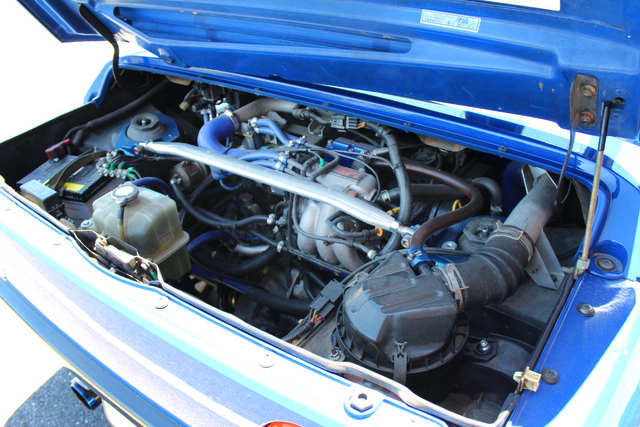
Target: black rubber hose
[424,191]
[116,115]
[402,177]
[324,169]
[262,106]
[237,269]
[493,273]
[318,281]
[211,220]
[494,191]
[277,303]
[441,221]
[283,305]
[357,235]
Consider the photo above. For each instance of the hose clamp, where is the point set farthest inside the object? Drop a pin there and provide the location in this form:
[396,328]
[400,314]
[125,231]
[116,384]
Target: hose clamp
[384,196]
[233,117]
[514,233]
[416,257]
[453,281]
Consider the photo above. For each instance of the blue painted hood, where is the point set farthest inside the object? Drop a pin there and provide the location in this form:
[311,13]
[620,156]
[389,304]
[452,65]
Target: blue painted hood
[519,59]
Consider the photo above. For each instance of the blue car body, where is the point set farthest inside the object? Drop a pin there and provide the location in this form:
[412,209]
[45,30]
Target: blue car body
[164,359]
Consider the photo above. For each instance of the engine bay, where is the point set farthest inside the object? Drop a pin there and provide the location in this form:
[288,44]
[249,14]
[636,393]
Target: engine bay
[429,263]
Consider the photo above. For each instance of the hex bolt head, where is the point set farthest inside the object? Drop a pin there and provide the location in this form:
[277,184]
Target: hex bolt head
[588,90]
[361,402]
[587,117]
[605,264]
[335,355]
[550,376]
[483,347]
[586,309]
[449,245]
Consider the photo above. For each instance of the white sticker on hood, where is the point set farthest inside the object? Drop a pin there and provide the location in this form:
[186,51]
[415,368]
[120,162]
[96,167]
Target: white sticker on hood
[450,20]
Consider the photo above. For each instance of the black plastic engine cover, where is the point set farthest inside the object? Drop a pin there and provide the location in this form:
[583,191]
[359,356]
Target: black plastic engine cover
[394,311]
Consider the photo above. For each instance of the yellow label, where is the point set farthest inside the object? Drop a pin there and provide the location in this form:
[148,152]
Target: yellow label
[71,186]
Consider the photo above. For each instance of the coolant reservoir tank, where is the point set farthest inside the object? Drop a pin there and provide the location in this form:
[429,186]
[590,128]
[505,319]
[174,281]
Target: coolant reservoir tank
[150,224]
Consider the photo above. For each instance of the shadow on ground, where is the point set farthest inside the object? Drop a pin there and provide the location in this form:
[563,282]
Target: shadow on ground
[55,405]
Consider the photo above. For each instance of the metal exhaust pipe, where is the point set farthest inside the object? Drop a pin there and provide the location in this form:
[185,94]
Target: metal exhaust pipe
[87,396]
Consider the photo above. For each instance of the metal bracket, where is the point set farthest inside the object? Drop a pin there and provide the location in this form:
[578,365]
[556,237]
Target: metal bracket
[544,268]
[530,174]
[583,112]
[583,102]
[528,379]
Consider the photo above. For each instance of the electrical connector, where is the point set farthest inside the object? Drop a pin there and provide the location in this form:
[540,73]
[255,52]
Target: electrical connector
[326,301]
[342,122]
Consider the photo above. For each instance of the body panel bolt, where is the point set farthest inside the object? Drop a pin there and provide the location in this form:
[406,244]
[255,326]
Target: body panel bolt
[588,90]
[161,302]
[449,245]
[361,402]
[586,309]
[483,347]
[605,264]
[549,376]
[587,117]
[267,360]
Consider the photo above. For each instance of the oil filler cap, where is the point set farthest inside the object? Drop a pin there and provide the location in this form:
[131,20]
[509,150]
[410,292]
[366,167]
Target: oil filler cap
[125,193]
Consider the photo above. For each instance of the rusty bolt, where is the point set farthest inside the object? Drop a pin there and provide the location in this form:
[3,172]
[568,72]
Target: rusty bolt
[588,90]
[587,117]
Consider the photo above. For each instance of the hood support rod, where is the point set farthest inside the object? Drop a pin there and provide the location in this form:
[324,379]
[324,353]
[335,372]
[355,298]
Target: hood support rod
[583,262]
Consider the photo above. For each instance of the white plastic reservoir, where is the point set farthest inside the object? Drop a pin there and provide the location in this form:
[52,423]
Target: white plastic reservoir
[150,224]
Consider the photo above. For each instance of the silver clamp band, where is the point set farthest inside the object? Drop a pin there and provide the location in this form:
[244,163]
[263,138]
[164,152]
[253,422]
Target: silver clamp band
[453,281]
[233,117]
[514,233]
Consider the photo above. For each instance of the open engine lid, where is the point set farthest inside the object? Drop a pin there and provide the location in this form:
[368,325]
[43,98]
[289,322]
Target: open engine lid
[515,56]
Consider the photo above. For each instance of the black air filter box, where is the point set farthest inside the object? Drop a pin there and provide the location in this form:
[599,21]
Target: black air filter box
[395,313]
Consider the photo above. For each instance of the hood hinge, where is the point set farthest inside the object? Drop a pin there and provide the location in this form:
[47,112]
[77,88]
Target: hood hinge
[583,111]
[583,104]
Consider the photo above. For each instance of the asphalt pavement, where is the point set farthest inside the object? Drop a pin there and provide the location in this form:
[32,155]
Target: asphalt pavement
[34,384]
[54,405]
